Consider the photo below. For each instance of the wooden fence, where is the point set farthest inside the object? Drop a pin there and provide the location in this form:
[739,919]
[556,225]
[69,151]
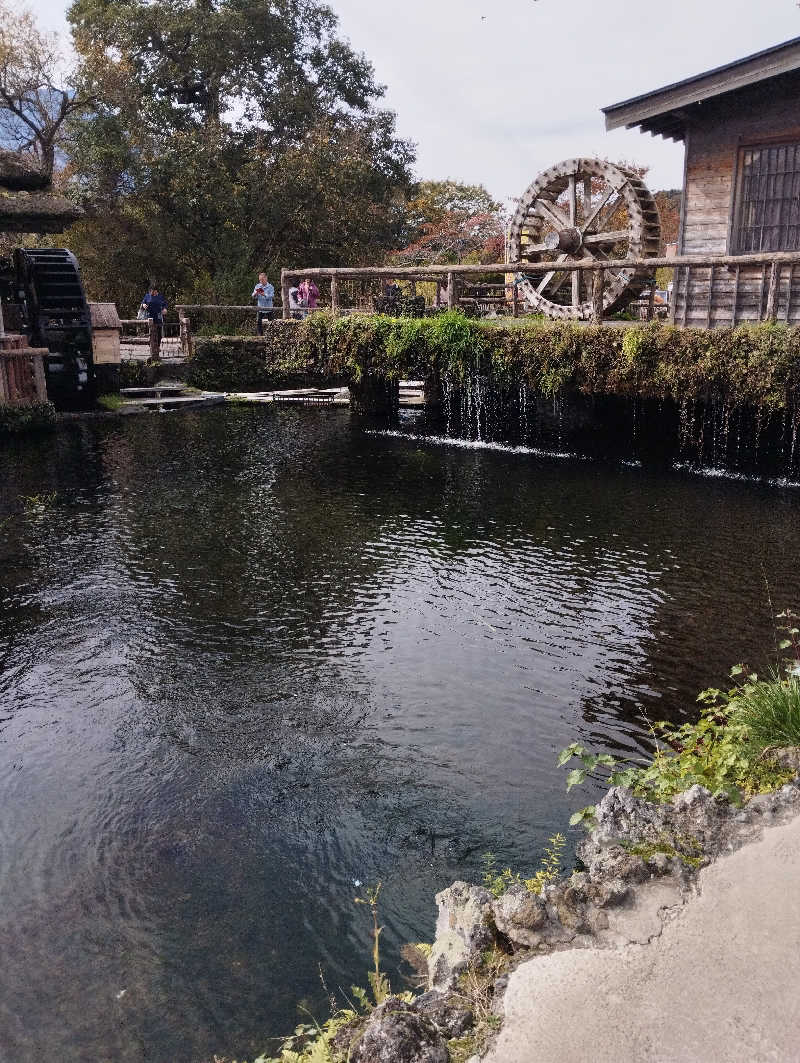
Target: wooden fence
[709,290]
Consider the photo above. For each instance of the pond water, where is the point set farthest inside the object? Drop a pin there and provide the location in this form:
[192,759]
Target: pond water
[250,657]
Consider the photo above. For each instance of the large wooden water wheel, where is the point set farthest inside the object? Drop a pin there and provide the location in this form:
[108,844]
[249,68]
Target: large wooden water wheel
[581,209]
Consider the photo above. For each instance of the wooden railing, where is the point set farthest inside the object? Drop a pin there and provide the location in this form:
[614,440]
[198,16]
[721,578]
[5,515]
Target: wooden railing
[708,290]
[22,376]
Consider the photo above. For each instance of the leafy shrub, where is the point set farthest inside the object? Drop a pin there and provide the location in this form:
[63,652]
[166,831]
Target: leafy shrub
[134,373]
[498,881]
[37,417]
[725,750]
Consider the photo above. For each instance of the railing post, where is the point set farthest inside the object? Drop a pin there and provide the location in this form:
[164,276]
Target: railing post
[514,299]
[451,291]
[155,344]
[598,290]
[335,295]
[285,285]
[185,334]
[39,378]
[772,295]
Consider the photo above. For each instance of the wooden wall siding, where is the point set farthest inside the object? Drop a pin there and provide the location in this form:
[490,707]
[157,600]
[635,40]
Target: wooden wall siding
[715,138]
[711,301]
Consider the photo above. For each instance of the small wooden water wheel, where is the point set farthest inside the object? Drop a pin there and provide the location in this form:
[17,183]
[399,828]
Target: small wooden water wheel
[579,209]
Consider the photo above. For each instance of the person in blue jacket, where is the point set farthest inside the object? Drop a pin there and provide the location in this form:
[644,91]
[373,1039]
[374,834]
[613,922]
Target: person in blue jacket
[264,294]
[155,305]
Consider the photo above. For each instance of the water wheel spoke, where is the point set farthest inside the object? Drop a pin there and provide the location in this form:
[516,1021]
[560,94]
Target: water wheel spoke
[596,210]
[535,249]
[613,237]
[587,199]
[550,212]
[573,200]
[562,280]
[549,276]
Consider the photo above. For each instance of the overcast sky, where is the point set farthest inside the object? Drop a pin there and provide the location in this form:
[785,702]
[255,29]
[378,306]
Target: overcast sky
[495,91]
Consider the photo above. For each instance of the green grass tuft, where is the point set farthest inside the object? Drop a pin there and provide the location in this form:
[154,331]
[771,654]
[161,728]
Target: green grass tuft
[770,711]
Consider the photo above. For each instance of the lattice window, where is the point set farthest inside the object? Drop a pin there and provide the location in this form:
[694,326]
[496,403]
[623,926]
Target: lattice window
[768,202]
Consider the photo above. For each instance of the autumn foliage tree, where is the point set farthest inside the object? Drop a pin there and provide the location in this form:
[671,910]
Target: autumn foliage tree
[447,221]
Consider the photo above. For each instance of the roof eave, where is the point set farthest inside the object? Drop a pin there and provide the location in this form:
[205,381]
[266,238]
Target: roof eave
[663,103]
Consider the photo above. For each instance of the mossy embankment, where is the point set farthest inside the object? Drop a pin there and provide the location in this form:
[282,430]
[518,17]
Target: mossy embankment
[37,417]
[755,365]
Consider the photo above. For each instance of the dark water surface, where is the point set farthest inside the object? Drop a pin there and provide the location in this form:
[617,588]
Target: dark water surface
[249,656]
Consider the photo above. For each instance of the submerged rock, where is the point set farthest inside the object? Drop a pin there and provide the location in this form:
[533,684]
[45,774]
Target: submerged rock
[396,1032]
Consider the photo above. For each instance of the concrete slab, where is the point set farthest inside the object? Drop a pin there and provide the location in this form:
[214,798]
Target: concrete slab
[718,982]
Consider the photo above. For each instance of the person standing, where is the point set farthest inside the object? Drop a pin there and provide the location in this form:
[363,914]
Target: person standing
[264,294]
[295,302]
[312,294]
[155,306]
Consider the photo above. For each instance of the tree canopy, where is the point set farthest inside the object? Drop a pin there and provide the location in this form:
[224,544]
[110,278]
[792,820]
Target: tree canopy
[227,136]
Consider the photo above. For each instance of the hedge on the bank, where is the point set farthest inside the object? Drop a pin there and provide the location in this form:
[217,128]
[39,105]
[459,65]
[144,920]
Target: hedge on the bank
[755,364]
[14,419]
[282,358]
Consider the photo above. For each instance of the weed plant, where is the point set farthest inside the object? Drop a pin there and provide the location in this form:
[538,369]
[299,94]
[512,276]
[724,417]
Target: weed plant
[498,881]
[726,750]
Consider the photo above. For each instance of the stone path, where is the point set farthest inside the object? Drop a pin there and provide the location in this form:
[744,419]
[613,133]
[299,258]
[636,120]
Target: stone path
[719,981]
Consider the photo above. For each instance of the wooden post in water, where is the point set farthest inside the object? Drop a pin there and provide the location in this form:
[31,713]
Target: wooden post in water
[598,287]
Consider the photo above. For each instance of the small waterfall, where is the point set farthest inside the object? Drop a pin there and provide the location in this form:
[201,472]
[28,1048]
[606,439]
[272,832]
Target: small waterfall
[483,407]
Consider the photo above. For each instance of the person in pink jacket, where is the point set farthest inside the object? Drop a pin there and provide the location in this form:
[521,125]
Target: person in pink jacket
[309,294]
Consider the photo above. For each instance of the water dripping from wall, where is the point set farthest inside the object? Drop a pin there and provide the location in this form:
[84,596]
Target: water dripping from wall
[713,435]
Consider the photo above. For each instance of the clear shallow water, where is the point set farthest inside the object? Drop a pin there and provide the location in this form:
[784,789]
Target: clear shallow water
[250,655]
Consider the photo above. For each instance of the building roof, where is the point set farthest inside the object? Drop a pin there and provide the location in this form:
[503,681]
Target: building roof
[664,113]
[104,315]
[19,172]
[36,212]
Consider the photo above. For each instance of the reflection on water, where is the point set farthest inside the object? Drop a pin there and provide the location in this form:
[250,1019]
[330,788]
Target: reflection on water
[252,655]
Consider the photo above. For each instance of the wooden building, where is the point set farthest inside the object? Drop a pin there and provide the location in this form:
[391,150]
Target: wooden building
[106,330]
[741,128]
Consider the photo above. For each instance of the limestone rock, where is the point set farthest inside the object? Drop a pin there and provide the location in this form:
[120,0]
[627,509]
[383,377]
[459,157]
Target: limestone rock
[463,929]
[396,1032]
[450,1013]
[520,915]
[787,757]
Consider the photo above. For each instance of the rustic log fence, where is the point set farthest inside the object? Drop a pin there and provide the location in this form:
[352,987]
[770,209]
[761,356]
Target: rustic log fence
[727,289]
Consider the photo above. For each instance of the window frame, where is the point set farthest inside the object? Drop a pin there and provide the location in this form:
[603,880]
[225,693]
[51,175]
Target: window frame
[737,206]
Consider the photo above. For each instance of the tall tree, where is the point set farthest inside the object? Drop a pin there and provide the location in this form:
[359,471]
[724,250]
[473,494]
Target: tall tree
[230,134]
[37,92]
